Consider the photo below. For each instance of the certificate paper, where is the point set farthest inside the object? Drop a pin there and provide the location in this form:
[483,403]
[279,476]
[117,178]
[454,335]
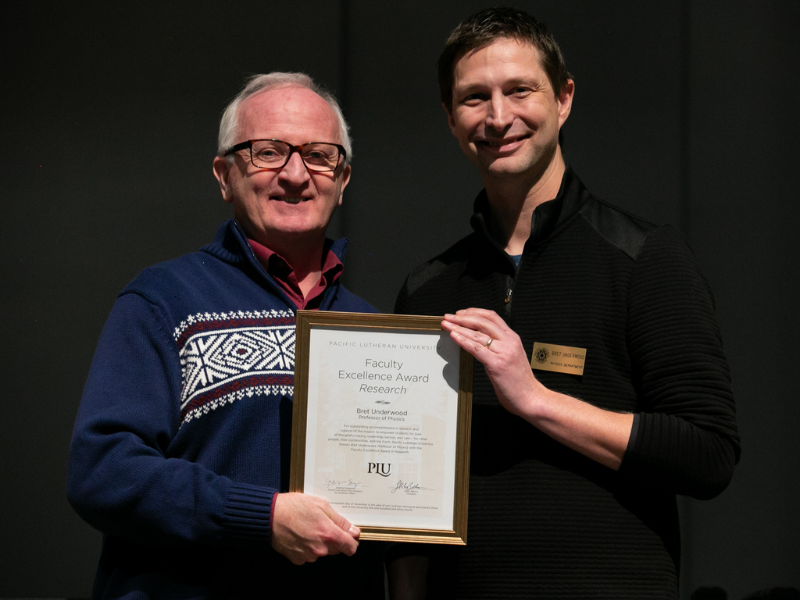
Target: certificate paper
[381,423]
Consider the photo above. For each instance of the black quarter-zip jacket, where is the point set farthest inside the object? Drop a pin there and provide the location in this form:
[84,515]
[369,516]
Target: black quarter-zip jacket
[545,521]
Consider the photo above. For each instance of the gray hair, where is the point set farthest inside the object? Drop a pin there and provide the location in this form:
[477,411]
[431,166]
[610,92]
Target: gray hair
[228,124]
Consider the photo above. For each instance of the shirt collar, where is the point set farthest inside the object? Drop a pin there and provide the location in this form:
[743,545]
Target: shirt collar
[282,272]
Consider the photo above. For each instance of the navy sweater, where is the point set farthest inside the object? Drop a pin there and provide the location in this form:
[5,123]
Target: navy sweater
[183,433]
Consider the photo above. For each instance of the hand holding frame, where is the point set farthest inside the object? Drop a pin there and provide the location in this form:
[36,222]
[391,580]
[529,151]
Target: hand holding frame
[305,527]
[600,434]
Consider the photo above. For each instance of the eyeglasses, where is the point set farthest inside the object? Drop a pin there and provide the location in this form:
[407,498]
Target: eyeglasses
[274,154]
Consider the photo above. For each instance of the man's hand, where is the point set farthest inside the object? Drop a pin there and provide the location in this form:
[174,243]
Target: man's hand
[486,336]
[600,434]
[306,527]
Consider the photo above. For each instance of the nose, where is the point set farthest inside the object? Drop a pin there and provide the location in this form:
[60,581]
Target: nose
[499,115]
[294,172]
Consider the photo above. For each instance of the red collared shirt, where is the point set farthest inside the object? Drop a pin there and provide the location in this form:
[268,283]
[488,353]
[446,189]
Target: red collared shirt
[282,272]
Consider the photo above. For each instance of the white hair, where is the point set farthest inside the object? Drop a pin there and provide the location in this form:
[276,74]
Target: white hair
[228,124]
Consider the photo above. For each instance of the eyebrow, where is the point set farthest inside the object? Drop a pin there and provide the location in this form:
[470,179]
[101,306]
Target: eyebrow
[469,88]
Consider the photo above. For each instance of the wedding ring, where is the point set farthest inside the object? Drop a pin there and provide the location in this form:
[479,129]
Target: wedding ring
[489,343]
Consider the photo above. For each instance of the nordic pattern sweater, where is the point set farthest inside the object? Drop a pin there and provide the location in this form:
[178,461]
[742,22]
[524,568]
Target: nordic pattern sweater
[183,434]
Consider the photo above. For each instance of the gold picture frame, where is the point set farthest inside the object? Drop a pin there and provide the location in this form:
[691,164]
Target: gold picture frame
[441,447]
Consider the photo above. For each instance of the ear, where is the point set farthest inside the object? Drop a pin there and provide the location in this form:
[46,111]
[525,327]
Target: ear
[565,102]
[450,121]
[345,181]
[222,168]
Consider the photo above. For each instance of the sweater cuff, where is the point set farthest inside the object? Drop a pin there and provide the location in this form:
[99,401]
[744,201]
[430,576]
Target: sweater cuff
[248,513]
[629,449]
[634,432]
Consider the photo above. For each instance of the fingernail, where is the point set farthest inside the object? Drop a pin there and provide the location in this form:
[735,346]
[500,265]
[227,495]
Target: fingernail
[354,531]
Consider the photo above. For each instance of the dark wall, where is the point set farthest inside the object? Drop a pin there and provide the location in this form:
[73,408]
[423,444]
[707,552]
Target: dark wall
[744,217]
[684,113]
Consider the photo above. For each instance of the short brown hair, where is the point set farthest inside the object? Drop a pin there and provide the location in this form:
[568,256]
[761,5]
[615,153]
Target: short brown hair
[488,26]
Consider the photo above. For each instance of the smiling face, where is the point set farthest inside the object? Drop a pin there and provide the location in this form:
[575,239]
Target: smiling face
[291,205]
[505,113]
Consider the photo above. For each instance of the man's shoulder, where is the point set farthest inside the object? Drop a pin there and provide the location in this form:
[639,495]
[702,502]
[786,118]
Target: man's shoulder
[191,270]
[347,301]
[174,272]
[620,228]
[451,259]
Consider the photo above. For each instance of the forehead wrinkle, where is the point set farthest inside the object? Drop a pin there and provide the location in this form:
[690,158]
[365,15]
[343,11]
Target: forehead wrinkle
[498,63]
[291,113]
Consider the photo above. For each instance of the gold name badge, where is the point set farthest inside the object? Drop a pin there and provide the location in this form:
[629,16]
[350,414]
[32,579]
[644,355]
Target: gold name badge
[561,359]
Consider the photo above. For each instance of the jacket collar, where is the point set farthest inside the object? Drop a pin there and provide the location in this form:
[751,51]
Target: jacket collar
[230,245]
[549,218]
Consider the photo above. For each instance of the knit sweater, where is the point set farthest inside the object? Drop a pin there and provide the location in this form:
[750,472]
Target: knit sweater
[182,438]
[545,521]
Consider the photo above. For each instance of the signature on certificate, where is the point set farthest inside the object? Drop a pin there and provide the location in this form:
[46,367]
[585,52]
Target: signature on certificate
[409,487]
[342,484]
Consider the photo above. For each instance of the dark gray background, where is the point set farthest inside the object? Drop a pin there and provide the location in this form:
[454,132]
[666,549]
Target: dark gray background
[684,113]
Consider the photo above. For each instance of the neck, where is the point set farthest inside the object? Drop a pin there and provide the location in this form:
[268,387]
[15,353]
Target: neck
[512,202]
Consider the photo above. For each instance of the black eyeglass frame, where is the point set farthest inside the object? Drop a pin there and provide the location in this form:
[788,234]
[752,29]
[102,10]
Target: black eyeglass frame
[292,149]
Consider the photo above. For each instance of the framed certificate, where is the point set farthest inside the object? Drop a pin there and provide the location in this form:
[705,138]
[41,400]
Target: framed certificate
[381,423]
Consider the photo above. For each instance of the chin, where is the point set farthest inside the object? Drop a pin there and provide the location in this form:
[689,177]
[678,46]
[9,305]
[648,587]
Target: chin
[506,170]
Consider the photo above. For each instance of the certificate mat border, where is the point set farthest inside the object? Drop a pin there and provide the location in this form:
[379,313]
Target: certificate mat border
[309,319]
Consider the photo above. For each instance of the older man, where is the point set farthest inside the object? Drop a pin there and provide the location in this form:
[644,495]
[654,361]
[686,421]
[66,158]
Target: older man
[180,454]
[604,391]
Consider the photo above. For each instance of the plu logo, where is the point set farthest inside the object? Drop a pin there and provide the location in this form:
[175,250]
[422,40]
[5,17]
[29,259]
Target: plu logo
[382,469]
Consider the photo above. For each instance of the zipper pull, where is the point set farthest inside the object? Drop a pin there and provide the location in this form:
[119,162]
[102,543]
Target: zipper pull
[508,296]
